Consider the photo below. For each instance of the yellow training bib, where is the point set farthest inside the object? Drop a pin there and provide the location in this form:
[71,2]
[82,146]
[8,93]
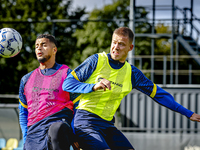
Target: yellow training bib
[105,103]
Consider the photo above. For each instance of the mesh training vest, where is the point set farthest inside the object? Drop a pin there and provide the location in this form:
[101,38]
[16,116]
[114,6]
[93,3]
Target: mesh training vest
[44,94]
[105,103]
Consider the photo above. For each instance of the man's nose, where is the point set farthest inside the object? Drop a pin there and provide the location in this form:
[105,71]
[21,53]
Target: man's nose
[117,46]
[39,47]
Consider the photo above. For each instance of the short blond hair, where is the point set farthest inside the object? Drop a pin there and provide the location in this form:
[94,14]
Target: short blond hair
[125,31]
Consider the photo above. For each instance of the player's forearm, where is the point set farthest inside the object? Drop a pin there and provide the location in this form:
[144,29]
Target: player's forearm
[23,115]
[72,85]
[167,100]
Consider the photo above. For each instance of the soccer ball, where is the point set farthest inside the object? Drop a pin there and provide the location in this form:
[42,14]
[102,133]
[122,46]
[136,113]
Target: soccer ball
[10,42]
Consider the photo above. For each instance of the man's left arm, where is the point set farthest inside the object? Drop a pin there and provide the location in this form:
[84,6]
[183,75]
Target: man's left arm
[166,99]
[143,84]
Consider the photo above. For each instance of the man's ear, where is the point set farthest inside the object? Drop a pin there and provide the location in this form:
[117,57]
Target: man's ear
[55,50]
[131,47]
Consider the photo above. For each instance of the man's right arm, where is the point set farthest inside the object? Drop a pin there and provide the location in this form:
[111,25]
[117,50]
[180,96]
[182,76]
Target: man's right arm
[23,112]
[23,115]
[75,80]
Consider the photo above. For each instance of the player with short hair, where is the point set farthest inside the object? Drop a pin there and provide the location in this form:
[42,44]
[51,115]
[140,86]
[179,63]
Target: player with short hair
[104,80]
[46,110]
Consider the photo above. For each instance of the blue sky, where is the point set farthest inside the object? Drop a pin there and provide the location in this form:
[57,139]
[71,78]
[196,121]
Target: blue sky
[91,4]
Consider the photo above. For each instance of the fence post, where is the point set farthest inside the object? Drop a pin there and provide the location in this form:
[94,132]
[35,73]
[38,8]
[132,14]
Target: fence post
[190,74]
[164,70]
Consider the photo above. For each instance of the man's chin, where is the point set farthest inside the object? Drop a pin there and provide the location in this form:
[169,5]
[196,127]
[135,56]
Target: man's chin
[114,57]
[42,60]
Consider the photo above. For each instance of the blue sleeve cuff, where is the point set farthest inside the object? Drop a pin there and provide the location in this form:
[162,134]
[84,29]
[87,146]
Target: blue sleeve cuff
[184,111]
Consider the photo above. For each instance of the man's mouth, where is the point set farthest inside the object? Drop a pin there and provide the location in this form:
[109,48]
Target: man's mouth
[115,53]
[39,54]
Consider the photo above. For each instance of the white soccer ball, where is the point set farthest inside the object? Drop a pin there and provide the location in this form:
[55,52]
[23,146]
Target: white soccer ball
[10,42]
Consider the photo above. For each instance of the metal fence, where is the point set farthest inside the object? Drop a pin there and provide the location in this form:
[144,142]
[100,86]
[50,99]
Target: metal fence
[146,124]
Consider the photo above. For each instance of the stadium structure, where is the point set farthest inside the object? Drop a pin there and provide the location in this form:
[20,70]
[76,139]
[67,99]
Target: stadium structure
[147,124]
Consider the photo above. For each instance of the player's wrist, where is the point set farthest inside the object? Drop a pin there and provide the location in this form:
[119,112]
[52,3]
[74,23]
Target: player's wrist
[93,88]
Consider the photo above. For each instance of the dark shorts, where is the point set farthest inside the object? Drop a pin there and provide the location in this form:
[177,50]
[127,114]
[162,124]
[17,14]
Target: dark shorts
[37,134]
[95,133]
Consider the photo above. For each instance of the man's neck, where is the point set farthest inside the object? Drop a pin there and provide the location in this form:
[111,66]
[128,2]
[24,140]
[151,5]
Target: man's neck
[46,65]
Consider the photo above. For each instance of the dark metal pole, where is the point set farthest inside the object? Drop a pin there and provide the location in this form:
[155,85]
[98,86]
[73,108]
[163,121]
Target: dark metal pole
[152,43]
[184,21]
[177,60]
[190,73]
[53,28]
[191,17]
[164,70]
[172,45]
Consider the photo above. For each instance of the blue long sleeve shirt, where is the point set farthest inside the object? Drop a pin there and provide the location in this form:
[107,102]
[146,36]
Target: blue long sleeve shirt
[75,83]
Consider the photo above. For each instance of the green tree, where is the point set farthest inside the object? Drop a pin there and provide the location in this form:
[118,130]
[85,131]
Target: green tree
[31,18]
[163,45]
[96,36]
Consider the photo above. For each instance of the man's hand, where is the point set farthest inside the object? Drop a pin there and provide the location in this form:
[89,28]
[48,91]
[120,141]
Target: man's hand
[195,117]
[103,84]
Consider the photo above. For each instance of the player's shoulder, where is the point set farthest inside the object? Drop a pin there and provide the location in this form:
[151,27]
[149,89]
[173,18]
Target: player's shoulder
[90,61]
[135,70]
[25,78]
[93,57]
